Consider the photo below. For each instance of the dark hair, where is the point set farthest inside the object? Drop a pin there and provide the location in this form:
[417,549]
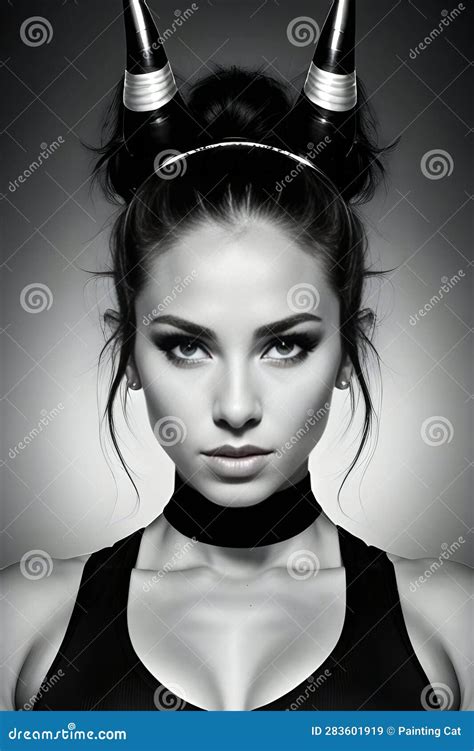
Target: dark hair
[220,186]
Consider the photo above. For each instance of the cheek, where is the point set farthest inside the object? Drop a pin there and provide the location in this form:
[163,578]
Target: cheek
[303,402]
[172,416]
[309,413]
[309,385]
[300,426]
[174,406]
[167,396]
[164,391]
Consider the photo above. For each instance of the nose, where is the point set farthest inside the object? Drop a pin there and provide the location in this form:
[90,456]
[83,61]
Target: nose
[236,401]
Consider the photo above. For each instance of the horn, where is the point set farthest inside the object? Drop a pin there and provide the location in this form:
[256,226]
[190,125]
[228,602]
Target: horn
[155,117]
[328,100]
[331,80]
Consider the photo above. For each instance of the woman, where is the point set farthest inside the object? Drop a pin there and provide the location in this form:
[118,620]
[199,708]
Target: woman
[239,265]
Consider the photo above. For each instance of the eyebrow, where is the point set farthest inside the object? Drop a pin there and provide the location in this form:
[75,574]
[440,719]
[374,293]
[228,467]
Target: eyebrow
[276,327]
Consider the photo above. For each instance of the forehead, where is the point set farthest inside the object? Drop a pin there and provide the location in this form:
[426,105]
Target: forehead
[256,269]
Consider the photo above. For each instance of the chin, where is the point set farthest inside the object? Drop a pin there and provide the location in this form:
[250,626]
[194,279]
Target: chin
[240,492]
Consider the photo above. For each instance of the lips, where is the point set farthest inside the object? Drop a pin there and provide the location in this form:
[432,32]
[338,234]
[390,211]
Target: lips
[237,451]
[237,463]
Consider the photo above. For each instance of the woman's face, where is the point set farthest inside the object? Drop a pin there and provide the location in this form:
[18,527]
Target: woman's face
[218,366]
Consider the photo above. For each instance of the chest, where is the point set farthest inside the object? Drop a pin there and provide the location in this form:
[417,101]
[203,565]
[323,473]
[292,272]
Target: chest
[226,644]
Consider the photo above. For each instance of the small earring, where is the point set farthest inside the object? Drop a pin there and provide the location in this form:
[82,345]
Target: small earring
[132,385]
[343,384]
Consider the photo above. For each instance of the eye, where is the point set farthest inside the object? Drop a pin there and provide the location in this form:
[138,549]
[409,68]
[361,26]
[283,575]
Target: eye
[181,350]
[184,351]
[290,349]
[187,349]
[283,348]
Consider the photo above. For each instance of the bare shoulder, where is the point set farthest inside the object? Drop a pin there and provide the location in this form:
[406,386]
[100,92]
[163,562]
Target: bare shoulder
[438,593]
[33,593]
[442,586]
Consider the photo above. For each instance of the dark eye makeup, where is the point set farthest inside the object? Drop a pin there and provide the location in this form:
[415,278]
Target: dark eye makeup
[189,345]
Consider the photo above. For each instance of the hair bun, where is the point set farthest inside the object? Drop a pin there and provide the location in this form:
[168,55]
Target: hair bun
[238,103]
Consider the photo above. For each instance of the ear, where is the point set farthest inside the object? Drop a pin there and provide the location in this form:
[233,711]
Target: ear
[344,373]
[111,318]
[133,378]
[365,321]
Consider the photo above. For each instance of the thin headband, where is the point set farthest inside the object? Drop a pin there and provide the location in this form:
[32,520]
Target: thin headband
[296,157]
[181,155]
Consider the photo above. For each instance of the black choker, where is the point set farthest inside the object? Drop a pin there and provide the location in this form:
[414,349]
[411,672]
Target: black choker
[282,515]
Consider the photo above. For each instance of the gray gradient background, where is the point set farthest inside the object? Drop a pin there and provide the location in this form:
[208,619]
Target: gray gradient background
[58,494]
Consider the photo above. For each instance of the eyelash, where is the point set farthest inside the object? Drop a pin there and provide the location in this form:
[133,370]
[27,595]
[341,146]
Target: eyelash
[167,343]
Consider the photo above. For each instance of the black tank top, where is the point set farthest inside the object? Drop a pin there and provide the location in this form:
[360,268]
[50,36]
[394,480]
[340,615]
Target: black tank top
[372,667]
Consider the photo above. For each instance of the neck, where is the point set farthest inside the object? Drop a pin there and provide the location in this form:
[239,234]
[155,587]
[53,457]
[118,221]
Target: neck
[280,517]
[243,563]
